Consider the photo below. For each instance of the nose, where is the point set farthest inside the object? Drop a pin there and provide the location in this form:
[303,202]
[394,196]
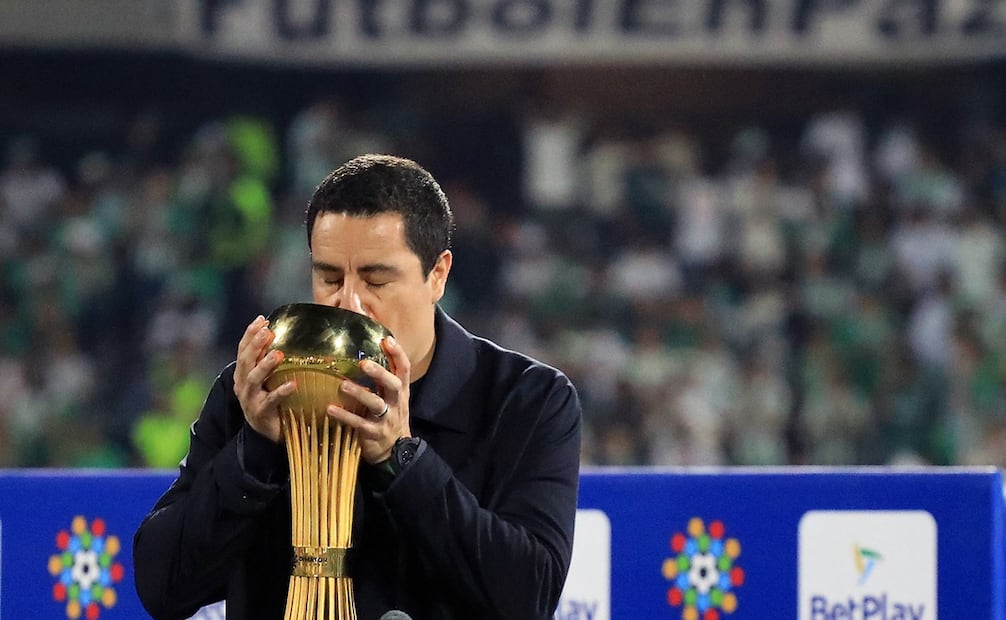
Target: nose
[348,298]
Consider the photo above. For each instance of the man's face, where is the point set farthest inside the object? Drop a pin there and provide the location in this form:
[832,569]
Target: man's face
[363,264]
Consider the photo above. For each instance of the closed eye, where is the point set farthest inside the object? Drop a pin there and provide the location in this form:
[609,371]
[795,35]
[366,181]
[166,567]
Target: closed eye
[374,276]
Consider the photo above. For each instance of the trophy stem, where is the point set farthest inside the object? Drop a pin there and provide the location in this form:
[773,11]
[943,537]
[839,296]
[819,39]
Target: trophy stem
[324,459]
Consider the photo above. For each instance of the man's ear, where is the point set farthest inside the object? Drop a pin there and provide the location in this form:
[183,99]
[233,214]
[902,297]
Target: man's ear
[438,275]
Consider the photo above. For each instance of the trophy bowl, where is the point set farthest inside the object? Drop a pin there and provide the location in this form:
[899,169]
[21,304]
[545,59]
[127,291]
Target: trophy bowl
[322,346]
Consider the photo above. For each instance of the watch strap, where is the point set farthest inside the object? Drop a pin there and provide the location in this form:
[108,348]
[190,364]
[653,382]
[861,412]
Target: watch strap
[386,466]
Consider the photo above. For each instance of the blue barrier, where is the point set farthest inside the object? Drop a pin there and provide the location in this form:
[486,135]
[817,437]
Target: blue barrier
[813,544]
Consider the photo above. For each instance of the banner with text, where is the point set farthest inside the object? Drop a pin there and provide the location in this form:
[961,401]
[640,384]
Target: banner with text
[451,32]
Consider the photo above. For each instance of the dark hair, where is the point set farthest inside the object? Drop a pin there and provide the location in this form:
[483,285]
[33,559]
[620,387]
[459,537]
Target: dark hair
[372,184]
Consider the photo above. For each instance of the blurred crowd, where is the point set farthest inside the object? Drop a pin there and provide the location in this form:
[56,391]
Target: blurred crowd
[837,300]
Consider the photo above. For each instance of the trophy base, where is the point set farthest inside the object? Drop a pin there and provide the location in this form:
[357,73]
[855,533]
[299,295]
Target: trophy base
[320,598]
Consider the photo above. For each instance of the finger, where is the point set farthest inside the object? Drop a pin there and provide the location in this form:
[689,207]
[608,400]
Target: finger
[366,428]
[252,329]
[253,345]
[267,341]
[371,401]
[399,360]
[385,380]
[388,386]
[269,363]
[251,332]
[260,344]
[278,395]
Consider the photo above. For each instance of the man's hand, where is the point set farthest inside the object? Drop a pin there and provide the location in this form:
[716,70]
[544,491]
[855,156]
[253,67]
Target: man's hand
[260,406]
[383,416]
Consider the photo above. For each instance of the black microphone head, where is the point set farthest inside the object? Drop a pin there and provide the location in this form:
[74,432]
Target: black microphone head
[395,614]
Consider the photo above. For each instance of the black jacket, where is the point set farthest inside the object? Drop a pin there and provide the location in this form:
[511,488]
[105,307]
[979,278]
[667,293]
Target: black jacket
[479,525]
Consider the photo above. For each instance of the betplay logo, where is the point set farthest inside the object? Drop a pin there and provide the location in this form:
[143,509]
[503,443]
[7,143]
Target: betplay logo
[867,565]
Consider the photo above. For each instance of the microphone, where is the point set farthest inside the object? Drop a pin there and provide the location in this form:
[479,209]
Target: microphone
[395,614]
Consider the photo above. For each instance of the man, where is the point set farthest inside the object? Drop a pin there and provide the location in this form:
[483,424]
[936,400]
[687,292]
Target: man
[478,524]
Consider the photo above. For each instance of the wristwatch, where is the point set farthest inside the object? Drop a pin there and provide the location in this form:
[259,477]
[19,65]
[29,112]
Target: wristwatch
[403,452]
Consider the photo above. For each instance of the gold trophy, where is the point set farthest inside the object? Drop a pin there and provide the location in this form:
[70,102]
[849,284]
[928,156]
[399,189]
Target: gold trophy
[322,346]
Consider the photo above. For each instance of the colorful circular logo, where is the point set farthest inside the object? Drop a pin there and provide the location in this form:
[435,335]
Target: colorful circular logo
[85,569]
[703,573]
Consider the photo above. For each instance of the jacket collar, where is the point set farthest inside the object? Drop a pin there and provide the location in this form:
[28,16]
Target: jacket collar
[453,364]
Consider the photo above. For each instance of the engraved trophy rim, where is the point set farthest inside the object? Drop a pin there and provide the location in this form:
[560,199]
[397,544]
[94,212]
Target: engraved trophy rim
[326,338]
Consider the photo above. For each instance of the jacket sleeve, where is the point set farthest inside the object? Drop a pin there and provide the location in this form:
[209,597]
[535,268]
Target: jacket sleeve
[510,556]
[187,546]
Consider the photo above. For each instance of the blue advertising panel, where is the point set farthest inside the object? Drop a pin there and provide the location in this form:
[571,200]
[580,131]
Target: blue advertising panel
[815,544]
[66,542]
[875,543]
